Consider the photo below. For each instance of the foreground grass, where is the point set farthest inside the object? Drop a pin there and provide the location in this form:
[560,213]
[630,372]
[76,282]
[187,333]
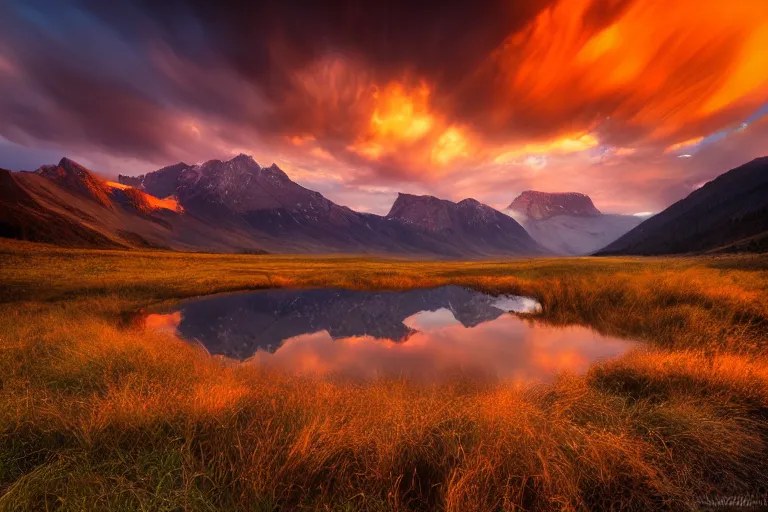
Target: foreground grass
[98,416]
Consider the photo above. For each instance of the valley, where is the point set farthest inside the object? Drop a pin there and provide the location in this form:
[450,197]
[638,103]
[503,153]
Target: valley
[237,206]
[383,256]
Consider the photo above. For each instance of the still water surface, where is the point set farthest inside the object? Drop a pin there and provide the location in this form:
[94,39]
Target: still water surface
[428,333]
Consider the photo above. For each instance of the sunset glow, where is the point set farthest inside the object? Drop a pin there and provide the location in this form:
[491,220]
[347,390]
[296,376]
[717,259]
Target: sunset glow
[663,69]
[582,95]
[404,130]
[384,255]
[168,203]
[564,145]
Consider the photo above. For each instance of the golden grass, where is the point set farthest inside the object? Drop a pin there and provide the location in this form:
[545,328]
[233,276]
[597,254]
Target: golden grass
[98,416]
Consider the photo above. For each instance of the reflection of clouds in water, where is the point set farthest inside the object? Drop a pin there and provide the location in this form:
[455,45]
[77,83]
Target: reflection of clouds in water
[517,304]
[449,330]
[443,317]
[506,348]
[428,320]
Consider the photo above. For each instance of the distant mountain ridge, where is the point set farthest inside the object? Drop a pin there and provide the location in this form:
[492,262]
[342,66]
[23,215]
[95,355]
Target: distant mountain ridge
[728,213]
[232,206]
[267,200]
[545,205]
[467,222]
[568,223]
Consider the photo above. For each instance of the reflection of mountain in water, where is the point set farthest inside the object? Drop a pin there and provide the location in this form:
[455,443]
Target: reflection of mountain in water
[237,325]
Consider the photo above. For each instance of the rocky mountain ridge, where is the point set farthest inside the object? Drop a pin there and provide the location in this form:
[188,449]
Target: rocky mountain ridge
[238,205]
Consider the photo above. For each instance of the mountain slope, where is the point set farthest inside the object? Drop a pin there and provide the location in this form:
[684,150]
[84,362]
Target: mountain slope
[729,212]
[470,224]
[23,217]
[67,204]
[282,215]
[568,223]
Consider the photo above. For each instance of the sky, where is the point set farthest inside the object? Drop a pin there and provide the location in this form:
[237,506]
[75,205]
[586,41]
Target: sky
[633,102]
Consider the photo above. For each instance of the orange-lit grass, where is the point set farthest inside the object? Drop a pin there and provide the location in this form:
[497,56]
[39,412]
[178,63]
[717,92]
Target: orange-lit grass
[94,416]
[711,302]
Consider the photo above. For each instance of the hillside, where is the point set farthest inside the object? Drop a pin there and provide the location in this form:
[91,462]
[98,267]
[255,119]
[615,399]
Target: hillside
[728,213]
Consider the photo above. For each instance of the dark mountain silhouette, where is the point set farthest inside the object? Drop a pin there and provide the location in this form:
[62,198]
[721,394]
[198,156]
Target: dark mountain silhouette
[467,223]
[226,206]
[568,223]
[728,213]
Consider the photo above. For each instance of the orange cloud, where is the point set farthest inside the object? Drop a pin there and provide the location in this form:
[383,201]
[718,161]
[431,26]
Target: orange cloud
[654,69]
[563,145]
[300,140]
[406,130]
[450,145]
[632,75]
[683,145]
[401,115]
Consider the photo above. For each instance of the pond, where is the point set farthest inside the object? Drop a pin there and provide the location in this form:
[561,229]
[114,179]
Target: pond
[420,333]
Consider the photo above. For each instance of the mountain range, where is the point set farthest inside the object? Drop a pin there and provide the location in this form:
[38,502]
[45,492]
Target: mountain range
[239,206]
[236,206]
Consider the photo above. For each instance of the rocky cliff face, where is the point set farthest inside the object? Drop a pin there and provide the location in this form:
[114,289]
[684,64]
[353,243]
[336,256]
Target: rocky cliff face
[240,185]
[545,205]
[426,212]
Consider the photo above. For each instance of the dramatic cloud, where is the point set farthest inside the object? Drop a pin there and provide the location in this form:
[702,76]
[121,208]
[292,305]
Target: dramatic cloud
[631,101]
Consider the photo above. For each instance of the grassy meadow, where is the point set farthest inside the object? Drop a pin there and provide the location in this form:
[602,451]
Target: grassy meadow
[97,413]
